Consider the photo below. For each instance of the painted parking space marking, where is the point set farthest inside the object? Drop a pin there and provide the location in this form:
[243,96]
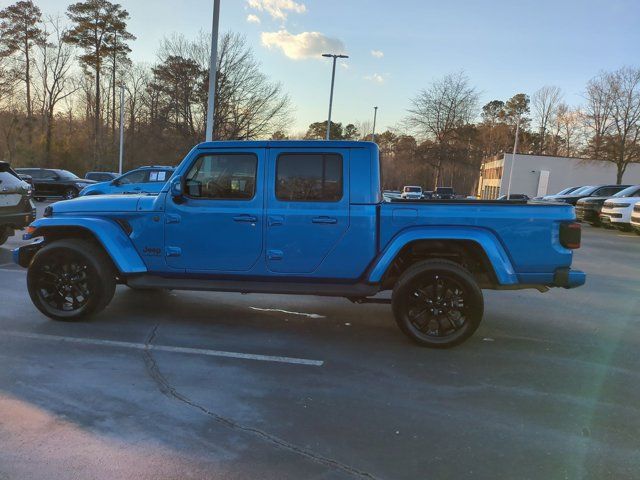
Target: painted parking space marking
[310,315]
[166,348]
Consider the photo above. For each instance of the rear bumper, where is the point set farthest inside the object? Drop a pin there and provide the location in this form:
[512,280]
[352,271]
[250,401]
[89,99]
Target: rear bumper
[567,278]
[20,216]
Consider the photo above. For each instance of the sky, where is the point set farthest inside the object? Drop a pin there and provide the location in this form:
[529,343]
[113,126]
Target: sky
[398,47]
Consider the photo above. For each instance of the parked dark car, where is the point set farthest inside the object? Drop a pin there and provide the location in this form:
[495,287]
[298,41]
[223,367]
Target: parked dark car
[588,209]
[605,191]
[16,207]
[564,191]
[515,196]
[54,183]
[444,193]
[101,176]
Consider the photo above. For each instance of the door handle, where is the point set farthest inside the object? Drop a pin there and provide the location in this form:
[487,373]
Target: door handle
[275,220]
[324,220]
[137,188]
[245,218]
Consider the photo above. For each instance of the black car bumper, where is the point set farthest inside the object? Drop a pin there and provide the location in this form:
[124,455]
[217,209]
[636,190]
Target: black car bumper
[18,216]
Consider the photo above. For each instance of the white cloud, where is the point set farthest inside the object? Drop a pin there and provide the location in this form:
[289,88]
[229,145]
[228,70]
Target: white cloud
[344,65]
[303,45]
[376,78]
[278,9]
[251,18]
[377,53]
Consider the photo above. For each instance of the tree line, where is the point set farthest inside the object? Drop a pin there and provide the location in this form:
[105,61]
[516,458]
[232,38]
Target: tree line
[60,79]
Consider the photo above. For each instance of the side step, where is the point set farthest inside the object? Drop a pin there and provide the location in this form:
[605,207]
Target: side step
[356,290]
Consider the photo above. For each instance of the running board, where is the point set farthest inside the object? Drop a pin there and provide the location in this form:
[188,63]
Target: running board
[356,290]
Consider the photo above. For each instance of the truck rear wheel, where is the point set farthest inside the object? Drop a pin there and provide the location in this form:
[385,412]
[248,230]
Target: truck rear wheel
[71,279]
[437,303]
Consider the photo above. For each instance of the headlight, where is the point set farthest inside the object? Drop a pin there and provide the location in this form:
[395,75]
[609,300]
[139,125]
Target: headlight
[620,205]
[82,185]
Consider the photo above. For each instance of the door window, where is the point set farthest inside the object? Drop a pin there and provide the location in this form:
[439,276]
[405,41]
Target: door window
[309,177]
[223,177]
[139,176]
[158,176]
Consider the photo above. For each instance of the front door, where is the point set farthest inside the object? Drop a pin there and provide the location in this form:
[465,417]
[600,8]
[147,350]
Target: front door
[217,224]
[307,207]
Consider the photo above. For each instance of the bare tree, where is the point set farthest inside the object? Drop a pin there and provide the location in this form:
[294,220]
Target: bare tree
[54,68]
[544,103]
[440,110]
[614,117]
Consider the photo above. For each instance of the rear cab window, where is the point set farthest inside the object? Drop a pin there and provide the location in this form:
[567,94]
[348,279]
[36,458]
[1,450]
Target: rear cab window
[309,177]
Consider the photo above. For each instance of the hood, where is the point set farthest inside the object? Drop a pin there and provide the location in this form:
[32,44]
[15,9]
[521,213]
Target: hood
[98,203]
[630,200]
[595,200]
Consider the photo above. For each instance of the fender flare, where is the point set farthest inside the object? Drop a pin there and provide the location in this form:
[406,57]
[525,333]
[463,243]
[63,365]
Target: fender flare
[488,242]
[109,234]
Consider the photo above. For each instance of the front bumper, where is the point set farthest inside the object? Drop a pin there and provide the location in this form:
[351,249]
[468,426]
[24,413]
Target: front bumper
[586,214]
[567,278]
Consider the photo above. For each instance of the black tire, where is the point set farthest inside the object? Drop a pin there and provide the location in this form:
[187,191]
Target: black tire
[420,305]
[70,193]
[71,279]
[5,233]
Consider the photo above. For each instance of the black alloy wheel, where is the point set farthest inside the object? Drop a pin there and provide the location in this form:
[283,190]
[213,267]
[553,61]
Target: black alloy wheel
[437,303]
[70,279]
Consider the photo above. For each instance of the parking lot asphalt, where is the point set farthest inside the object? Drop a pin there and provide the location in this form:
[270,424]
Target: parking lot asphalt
[226,386]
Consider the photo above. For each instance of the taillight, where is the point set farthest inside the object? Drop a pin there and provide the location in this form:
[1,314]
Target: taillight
[570,235]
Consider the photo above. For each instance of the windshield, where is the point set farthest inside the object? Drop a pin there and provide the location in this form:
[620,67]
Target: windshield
[66,174]
[584,190]
[631,191]
[568,190]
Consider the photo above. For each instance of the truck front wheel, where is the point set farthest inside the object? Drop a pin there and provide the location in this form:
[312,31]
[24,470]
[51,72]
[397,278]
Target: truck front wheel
[71,279]
[437,303]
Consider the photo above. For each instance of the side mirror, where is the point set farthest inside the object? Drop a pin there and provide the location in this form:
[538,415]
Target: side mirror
[176,188]
[115,182]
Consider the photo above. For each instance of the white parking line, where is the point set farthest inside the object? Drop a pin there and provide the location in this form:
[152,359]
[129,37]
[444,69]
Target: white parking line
[165,348]
[310,315]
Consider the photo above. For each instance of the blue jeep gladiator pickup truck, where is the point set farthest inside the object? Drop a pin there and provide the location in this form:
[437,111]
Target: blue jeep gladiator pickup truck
[299,217]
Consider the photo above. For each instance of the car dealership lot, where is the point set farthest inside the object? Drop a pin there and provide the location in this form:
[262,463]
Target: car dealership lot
[218,385]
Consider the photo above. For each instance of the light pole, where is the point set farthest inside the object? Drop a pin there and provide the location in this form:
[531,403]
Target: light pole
[513,158]
[373,130]
[213,64]
[333,77]
[120,158]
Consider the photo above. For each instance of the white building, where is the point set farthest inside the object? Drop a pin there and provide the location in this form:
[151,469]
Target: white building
[537,175]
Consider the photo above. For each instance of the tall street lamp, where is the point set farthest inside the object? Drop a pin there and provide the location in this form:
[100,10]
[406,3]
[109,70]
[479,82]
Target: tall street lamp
[333,76]
[213,64]
[121,152]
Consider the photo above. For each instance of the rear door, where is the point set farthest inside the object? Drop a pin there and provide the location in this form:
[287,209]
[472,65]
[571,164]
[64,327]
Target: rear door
[307,207]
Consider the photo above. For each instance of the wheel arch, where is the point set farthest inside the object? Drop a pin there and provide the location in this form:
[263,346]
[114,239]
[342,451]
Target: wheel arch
[479,251]
[110,236]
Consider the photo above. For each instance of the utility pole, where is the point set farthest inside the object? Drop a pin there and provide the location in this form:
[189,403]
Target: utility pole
[213,66]
[513,158]
[121,156]
[333,77]
[373,130]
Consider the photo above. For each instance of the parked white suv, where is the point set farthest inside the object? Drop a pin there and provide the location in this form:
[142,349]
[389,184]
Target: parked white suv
[616,211]
[635,218]
[411,192]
